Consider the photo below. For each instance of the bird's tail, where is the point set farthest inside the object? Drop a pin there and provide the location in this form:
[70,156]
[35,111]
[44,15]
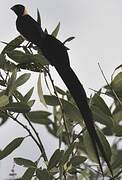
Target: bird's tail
[78,93]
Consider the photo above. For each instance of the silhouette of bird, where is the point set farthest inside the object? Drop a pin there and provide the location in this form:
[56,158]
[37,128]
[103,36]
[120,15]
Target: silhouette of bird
[56,53]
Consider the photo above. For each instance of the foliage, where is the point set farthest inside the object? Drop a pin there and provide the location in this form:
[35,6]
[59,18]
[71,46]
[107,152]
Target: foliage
[77,159]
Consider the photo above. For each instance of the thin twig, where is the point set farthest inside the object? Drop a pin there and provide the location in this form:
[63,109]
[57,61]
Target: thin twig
[37,135]
[61,105]
[114,93]
[28,130]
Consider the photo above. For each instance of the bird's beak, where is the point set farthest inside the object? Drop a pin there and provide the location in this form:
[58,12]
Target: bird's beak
[12,8]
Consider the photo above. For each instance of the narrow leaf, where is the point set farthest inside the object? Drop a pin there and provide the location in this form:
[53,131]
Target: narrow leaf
[28,174]
[43,174]
[68,39]
[38,17]
[4,100]
[22,79]
[56,30]
[55,159]
[40,117]
[67,154]
[19,107]
[11,147]
[11,83]
[28,95]
[24,162]
[13,44]
[89,147]
[40,91]
[77,160]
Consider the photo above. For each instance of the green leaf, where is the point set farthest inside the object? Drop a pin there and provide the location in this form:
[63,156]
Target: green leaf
[67,154]
[68,39]
[99,102]
[18,95]
[70,110]
[11,83]
[11,147]
[19,56]
[101,117]
[28,174]
[19,107]
[55,159]
[117,82]
[6,65]
[28,95]
[117,159]
[22,79]
[40,117]
[56,30]
[38,17]
[43,174]
[60,91]
[30,103]
[24,162]
[4,100]
[40,91]
[89,147]
[77,160]
[39,59]
[13,44]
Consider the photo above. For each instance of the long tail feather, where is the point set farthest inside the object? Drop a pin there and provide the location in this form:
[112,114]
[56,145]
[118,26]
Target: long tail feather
[78,93]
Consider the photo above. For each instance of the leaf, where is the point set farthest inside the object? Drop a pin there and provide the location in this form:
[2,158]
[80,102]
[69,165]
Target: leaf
[40,117]
[13,44]
[43,174]
[120,66]
[101,117]
[67,154]
[11,147]
[70,110]
[18,95]
[22,79]
[40,91]
[38,17]
[99,102]
[55,159]
[69,39]
[4,100]
[19,56]
[24,162]
[77,160]
[11,83]
[6,65]
[30,103]
[19,107]
[89,147]
[39,59]
[60,91]
[117,82]
[28,174]
[117,159]
[28,95]
[56,30]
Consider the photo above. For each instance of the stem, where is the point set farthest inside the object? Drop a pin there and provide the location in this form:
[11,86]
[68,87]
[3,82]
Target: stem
[114,93]
[37,135]
[61,106]
[31,135]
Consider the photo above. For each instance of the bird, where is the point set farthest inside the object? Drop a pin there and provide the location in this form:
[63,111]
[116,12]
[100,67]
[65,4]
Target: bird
[56,53]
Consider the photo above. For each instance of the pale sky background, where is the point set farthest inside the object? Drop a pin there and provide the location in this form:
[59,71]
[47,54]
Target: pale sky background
[97,26]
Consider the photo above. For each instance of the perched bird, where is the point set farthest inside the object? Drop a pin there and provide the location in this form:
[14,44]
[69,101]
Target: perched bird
[56,53]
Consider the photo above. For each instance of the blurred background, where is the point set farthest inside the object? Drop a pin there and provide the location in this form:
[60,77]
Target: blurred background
[97,27]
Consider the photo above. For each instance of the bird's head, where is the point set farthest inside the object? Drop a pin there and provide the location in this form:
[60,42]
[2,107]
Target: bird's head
[19,10]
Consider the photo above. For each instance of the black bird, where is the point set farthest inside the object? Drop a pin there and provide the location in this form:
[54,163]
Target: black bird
[56,53]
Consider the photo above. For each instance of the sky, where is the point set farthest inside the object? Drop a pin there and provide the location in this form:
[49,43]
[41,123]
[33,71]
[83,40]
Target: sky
[97,27]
